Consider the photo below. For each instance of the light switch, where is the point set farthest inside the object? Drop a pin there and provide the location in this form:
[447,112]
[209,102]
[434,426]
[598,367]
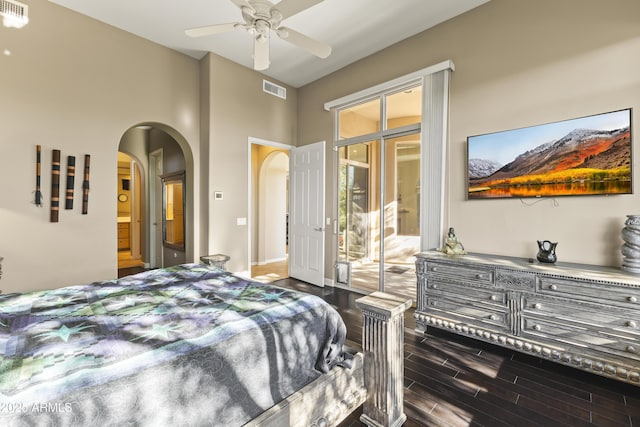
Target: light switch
[241,221]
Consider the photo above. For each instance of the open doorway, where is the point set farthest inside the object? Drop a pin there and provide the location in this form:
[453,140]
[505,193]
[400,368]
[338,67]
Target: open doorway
[130,207]
[269,201]
[150,151]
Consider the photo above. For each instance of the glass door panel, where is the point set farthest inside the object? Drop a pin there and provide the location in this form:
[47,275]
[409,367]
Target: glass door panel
[358,214]
[401,214]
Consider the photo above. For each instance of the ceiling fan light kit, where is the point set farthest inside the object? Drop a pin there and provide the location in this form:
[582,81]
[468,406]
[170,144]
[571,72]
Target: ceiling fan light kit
[260,18]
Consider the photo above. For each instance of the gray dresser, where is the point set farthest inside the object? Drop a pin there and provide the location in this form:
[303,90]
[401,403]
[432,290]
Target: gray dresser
[583,316]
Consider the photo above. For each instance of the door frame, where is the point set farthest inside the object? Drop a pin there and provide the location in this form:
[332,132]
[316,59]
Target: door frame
[250,190]
[155,170]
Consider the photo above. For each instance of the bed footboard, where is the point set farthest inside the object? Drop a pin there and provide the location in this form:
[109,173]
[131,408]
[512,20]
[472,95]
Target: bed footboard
[375,380]
[324,402]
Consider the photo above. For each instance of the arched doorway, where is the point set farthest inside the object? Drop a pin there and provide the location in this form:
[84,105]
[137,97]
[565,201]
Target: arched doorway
[158,149]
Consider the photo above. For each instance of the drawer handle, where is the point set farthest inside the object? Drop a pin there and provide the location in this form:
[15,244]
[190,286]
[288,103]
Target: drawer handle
[632,324]
[434,268]
[493,317]
[434,286]
[493,298]
[537,306]
[631,349]
[632,299]
[536,327]
[479,276]
[553,287]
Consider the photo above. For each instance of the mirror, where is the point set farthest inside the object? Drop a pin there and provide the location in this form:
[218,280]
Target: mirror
[173,203]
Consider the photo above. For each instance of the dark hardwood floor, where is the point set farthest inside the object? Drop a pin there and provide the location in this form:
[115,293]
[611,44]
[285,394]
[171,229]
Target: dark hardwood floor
[456,381]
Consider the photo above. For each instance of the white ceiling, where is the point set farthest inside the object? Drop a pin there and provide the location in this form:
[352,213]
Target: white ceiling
[354,28]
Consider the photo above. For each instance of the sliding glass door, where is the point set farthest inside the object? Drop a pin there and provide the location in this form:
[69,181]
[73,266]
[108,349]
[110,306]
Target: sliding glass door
[379,192]
[358,214]
[378,241]
[390,157]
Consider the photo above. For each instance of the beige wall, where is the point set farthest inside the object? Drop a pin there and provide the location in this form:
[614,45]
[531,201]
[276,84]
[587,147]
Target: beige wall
[75,84]
[518,63]
[239,109]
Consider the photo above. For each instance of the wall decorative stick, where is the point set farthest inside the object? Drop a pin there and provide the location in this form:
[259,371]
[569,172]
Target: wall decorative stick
[38,192]
[85,185]
[71,173]
[55,185]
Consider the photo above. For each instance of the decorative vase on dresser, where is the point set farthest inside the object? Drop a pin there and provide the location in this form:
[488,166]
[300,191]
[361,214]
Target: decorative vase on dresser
[631,246]
[583,316]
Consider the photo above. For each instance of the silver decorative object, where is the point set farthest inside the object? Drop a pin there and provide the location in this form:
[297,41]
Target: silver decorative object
[631,246]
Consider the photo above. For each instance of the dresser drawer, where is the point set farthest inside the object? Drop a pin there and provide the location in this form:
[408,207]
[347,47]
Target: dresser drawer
[478,275]
[579,337]
[467,313]
[467,292]
[515,280]
[589,315]
[597,292]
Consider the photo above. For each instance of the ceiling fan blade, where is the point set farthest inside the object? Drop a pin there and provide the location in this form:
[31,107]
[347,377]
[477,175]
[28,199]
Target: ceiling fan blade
[290,7]
[319,49]
[211,29]
[261,53]
[242,3]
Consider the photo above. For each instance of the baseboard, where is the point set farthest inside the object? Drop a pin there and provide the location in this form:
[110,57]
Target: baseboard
[269,261]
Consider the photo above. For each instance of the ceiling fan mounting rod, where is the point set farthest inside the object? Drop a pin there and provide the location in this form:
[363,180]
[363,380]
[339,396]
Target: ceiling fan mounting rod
[262,10]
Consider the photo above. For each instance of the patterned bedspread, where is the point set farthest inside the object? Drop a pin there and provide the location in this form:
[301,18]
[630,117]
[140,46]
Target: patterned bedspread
[187,345]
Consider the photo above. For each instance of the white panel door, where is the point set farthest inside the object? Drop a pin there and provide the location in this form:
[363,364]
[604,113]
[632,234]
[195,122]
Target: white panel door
[306,216]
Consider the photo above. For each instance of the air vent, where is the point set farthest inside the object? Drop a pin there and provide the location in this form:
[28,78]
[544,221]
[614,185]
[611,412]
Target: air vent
[14,14]
[274,89]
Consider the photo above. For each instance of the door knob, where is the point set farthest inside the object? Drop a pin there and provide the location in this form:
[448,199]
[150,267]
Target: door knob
[319,229]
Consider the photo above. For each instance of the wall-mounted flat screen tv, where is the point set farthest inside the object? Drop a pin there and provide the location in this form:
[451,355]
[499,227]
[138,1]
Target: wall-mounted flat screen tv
[584,156]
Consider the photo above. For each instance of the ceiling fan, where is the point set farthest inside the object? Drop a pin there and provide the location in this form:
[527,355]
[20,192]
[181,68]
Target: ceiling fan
[260,18]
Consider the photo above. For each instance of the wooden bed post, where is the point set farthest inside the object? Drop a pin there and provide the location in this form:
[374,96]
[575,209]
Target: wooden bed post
[383,347]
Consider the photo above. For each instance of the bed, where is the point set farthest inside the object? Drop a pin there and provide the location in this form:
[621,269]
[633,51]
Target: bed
[185,345]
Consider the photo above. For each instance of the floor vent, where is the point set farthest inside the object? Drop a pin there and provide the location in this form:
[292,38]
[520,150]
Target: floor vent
[14,14]
[274,89]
